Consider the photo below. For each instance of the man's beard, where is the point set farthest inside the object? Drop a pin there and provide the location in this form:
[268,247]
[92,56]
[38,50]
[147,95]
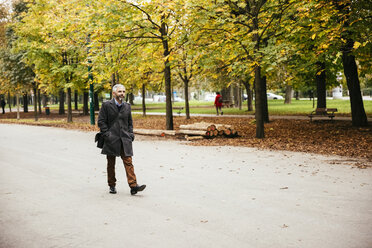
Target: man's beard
[120,98]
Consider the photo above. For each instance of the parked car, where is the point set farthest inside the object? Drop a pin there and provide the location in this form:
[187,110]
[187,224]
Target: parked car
[271,96]
[159,98]
[178,99]
[209,97]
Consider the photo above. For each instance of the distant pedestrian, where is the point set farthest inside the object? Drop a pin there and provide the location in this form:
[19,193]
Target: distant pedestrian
[3,103]
[115,122]
[218,103]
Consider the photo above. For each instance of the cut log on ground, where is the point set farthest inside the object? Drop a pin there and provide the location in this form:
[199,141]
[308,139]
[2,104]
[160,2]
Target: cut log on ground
[227,132]
[222,126]
[211,128]
[189,138]
[196,126]
[154,132]
[230,133]
[192,132]
[204,126]
[208,130]
[234,133]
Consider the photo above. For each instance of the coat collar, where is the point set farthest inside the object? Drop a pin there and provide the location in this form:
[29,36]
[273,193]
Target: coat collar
[113,103]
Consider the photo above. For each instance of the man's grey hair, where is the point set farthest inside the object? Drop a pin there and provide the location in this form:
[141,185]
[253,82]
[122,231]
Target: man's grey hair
[116,86]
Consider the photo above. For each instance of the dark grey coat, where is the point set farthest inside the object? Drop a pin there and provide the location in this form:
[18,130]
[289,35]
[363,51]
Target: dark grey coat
[116,132]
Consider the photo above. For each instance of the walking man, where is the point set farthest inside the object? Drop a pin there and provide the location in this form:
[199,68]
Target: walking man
[115,122]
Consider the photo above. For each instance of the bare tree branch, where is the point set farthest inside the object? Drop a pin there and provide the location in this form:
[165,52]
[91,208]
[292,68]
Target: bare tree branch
[143,11]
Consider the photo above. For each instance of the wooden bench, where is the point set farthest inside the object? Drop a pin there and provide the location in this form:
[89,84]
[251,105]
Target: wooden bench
[323,112]
[179,110]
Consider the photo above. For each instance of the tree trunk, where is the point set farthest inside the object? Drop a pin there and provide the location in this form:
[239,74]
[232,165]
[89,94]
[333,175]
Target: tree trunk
[226,94]
[96,102]
[259,91]
[167,77]
[113,80]
[129,98]
[249,95]
[321,85]
[85,103]
[259,105]
[17,100]
[235,91]
[264,101]
[240,96]
[168,93]
[288,94]
[143,100]
[76,100]
[250,98]
[187,104]
[9,102]
[117,77]
[358,114]
[61,102]
[35,103]
[44,100]
[297,95]
[69,105]
[25,103]
[39,100]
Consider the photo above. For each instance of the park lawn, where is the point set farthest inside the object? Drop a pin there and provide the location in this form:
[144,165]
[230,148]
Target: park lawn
[276,107]
[301,107]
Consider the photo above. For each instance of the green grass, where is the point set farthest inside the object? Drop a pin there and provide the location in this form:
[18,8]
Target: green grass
[276,107]
[301,107]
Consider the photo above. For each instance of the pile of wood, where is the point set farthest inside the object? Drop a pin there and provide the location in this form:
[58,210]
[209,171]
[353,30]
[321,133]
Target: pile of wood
[203,130]
[200,130]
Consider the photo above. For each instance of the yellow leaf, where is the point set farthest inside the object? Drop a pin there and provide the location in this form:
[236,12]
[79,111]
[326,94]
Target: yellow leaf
[313,37]
[356,45]
[242,4]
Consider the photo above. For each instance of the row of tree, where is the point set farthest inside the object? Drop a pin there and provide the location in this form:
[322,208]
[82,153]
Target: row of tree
[50,45]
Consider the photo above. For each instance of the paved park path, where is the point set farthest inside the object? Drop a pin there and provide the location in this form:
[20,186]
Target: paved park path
[53,193]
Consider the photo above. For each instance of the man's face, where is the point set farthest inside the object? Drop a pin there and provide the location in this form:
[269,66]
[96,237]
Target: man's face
[119,93]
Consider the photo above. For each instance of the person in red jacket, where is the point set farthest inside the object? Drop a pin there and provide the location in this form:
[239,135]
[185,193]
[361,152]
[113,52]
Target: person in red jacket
[218,102]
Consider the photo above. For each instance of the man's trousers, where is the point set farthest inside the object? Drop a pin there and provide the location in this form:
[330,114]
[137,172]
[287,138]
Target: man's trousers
[129,169]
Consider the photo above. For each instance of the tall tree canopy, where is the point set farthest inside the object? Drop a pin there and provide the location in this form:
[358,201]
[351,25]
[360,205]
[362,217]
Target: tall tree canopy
[152,44]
